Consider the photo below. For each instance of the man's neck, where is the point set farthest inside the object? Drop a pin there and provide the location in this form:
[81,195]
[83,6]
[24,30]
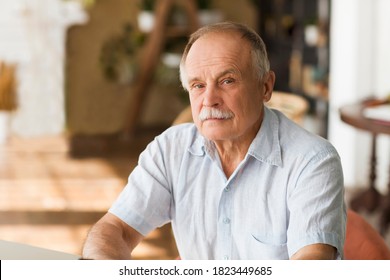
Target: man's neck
[233,152]
[231,158]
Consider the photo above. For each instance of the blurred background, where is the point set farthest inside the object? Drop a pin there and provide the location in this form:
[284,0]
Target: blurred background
[86,84]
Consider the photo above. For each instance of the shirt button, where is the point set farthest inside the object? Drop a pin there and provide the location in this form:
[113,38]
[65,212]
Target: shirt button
[227,189]
[226,221]
[225,257]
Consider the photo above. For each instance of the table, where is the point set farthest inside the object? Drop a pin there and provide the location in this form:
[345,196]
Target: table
[370,199]
[18,251]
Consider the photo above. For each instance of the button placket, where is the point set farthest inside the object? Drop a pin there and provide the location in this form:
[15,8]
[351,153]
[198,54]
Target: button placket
[224,225]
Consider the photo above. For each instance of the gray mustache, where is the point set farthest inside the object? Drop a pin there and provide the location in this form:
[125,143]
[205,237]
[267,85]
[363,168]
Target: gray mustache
[213,113]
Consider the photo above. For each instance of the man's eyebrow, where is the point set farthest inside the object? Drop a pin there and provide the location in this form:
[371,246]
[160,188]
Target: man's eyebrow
[228,71]
[191,80]
[221,74]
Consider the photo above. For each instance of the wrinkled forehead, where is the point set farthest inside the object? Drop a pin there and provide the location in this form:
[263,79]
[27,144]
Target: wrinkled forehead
[219,45]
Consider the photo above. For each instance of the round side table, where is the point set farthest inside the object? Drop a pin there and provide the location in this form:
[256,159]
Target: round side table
[369,199]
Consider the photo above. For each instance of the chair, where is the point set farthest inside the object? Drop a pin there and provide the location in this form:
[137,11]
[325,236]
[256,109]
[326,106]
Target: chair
[362,241]
[293,106]
[184,116]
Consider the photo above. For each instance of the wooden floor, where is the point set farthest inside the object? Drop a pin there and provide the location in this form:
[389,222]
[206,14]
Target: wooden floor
[49,199]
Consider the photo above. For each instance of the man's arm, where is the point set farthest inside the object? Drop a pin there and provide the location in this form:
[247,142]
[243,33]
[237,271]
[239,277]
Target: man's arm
[110,238]
[315,252]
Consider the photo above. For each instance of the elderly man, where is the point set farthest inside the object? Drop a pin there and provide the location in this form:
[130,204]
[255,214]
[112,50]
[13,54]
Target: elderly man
[243,181]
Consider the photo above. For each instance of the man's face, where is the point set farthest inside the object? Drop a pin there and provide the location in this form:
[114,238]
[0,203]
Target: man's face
[220,78]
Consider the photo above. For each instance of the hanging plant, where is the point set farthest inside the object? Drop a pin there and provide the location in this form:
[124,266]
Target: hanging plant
[256,3]
[147,5]
[204,4]
[118,54]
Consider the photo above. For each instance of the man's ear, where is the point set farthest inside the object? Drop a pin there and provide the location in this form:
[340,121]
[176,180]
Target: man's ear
[268,84]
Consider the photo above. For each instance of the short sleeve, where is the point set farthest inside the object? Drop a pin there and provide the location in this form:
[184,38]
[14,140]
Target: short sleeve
[145,202]
[316,204]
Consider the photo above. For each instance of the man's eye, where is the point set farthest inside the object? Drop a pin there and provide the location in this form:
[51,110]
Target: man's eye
[197,86]
[227,81]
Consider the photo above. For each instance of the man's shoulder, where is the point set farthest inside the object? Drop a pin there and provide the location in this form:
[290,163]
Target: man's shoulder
[295,137]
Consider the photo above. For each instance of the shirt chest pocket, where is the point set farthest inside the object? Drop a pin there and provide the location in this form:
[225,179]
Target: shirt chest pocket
[266,248]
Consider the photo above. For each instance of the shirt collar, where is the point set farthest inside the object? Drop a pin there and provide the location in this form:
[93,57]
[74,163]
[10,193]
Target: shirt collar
[197,147]
[265,147]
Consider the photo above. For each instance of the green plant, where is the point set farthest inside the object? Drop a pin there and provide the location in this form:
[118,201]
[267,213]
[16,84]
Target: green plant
[203,4]
[256,3]
[117,57]
[147,5]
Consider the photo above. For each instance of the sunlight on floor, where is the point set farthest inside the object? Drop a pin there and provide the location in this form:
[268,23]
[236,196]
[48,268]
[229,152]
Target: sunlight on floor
[50,200]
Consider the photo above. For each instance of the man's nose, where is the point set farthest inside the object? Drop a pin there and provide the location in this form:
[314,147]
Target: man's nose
[212,97]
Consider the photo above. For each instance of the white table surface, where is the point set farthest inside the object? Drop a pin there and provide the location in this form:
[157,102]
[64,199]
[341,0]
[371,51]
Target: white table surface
[17,251]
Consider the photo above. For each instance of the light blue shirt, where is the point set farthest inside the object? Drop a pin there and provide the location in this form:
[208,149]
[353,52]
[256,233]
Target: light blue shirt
[287,193]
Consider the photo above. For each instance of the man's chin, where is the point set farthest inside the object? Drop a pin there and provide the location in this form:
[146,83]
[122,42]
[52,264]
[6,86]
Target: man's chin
[215,134]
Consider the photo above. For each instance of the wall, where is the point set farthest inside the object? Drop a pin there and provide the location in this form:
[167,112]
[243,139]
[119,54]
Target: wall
[96,106]
[32,35]
[360,63]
